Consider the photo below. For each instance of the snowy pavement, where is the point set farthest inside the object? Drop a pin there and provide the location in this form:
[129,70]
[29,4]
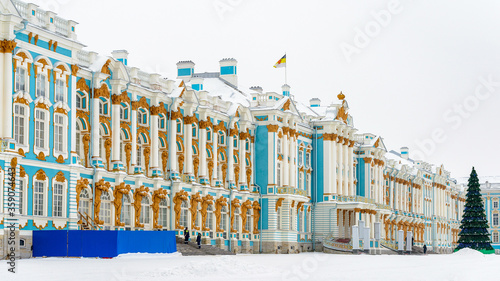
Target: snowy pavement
[465,265]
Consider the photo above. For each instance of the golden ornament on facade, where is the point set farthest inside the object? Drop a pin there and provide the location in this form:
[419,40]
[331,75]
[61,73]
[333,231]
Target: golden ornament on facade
[205,202]
[60,177]
[118,193]
[179,197]
[147,153]
[210,169]
[86,148]
[247,205]
[102,92]
[7,46]
[180,161]
[41,156]
[272,128]
[299,204]
[107,147]
[196,163]
[82,86]
[158,195]
[188,120]
[164,160]
[249,176]
[219,203]
[234,204]
[100,186]
[193,209]
[236,174]
[139,193]
[206,124]
[279,203]
[286,106]
[256,216]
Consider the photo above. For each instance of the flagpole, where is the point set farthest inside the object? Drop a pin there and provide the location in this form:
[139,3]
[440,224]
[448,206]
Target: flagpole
[286,62]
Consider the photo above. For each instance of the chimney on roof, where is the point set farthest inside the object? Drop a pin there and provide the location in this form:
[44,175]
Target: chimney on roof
[405,152]
[185,70]
[228,70]
[315,102]
[286,90]
[120,55]
[197,83]
[257,89]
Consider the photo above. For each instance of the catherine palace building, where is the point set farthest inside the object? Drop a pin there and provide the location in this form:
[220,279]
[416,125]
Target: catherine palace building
[95,143]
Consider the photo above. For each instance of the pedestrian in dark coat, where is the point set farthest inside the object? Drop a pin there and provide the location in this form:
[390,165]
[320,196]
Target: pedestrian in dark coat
[186,235]
[198,240]
[425,249]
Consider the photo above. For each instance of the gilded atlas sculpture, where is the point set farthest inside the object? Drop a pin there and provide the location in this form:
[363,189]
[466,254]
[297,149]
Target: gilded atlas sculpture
[138,194]
[158,195]
[195,199]
[179,197]
[219,203]
[100,186]
[256,217]
[205,202]
[80,185]
[234,204]
[118,193]
[247,205]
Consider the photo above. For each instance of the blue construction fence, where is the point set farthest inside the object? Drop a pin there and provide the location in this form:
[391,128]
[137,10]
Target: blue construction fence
[100,243]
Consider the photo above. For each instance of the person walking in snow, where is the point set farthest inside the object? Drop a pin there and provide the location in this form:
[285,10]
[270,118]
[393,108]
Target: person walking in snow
[186,235]
[425,249]
[198,240]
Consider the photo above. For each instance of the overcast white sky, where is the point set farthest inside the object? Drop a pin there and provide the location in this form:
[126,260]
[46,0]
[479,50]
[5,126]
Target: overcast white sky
[410,78]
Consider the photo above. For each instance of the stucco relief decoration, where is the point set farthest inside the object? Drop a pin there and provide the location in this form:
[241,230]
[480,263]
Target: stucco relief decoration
[234,204]
[138,194]
[219,203]
[179,197]
[80,185]
[195,199]
[158,195]
[118,193]
[205,202]
[256,216]
[247,205]
[100,186]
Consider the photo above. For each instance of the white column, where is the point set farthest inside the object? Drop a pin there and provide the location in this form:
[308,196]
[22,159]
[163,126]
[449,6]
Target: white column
[230,160]
[340,162]
[188,150]
[7,98]
[391,193]
[345,181]
[352,190]
[203,152]
[215,154]
[293,160]
[115,119]
[329,185]
[154,142]
[286,170]
[243,173]
[95,128]
[73,114]
[172,145]
[133,158]
[3,100]
[332,156]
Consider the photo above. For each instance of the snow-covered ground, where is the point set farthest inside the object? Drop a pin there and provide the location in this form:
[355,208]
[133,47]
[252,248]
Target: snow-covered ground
[465,265]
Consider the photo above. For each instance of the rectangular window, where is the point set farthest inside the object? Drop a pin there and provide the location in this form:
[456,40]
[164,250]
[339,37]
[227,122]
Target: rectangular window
[38,199]
[40,129]
[78,101]
[59,133]
[301,157]
[495,204]
[19,121]
[20,79]
[21,196]
[495,237]
[278,175]
[495,219]
[60,90]
[57,200]
[41,85]
[308,159]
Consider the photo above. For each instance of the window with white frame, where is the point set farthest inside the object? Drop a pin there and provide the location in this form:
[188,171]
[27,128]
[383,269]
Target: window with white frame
[60,91]
[291,219]
[308,183]
[221,138]
[40,128]
[79,140]
[38,198]
[78,101]
[163,220]
[59,133]
[279,145]
[22,195]
[248,225]
[142,117]
[103,107]
[495,237]
[84,205]
[209,134]
[247,145]
[139,151]
[308,159]
[194,130]
[184,214]
[301,180]
[278,174]
[105,212]
[235,142]
[301,157]
[495,219]
[125,211]
[210,220]
[20,124]
[236,221]
[57,199]
[223,220]
[495,204]
[178,124]
[41,85]
[162,121]
[21,79]
[144,218]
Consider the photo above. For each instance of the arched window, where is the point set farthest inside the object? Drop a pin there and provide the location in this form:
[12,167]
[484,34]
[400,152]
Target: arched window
[105,212]
[126,210]
[184,220]
[221,138]
[21,125]
[144,218]
[163,216]
[162,121]
[124,113]
[84,205]
[41,85]
[179,126]
[210,220]
[142,117]
[209,134]
[60,91]
[235,142]
[195,130]
[103,106]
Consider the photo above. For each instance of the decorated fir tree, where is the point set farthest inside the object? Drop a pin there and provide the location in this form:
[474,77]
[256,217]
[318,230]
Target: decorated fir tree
[473,230]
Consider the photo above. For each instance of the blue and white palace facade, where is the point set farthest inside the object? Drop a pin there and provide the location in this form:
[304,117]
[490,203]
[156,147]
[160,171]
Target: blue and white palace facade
[95,143]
